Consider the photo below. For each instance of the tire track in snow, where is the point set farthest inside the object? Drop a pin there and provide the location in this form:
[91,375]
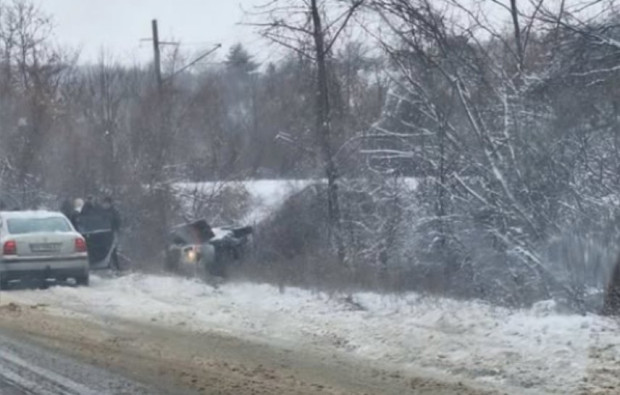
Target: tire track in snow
[603,371]
[36,380]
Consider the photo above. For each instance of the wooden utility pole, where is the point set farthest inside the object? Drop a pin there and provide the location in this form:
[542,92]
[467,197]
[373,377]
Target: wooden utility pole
[158,192]
[156,56]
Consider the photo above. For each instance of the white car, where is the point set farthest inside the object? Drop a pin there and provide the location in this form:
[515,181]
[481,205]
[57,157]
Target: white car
[41,245]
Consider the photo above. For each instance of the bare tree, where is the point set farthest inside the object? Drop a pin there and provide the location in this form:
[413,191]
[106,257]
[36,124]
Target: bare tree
[33,70]
[308,24]
[468,113]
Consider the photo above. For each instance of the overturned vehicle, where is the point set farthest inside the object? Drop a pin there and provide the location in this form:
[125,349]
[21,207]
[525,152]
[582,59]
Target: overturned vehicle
[196,249]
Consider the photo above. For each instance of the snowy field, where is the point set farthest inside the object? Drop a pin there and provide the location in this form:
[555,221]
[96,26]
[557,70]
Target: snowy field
[267,195]
[521,351]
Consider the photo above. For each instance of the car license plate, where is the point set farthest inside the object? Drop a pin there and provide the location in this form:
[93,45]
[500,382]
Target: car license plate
[45,247]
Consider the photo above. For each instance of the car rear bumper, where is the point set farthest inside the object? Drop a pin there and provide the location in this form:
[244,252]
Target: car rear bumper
[44,268]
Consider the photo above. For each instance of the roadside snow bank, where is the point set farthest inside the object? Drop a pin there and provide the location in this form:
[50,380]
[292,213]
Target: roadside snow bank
[536,350]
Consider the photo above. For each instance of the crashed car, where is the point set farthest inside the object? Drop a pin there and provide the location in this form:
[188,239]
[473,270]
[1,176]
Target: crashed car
[198,250]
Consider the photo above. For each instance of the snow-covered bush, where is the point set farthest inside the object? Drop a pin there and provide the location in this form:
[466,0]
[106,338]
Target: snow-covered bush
[221,203]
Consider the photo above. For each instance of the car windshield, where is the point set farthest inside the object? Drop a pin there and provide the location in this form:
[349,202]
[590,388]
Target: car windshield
[35,225]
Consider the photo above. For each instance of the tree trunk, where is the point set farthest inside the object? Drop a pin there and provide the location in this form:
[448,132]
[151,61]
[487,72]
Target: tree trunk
[323,129]
[514,11]
[612,293]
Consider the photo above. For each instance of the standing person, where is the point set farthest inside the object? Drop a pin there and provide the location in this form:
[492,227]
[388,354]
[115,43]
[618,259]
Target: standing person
[89,205]
[111,214]
[108,209]
[78,207]
[66,208]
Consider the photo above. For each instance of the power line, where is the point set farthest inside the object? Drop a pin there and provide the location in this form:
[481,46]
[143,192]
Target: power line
[157,55]
[193,62]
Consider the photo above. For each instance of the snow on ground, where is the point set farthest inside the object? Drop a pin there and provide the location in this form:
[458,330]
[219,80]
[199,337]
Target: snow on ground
[268,195]
[523,351]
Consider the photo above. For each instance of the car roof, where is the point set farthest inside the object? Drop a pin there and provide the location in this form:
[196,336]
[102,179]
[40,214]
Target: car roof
[30,214]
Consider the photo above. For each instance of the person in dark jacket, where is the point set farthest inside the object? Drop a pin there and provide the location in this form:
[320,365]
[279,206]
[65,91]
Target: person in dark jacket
[74,217]
[66,207]
[110,212]
[89,205]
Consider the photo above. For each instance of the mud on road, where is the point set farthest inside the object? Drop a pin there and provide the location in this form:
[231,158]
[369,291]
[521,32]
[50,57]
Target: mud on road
[179,361]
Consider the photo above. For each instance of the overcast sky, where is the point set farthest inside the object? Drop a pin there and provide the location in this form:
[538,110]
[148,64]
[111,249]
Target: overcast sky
[118,25]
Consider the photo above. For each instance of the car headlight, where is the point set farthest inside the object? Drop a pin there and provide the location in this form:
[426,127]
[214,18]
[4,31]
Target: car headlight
[191,256]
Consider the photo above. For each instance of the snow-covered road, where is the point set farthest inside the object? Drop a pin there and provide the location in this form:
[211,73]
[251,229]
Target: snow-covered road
[28,369]
[522,351]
